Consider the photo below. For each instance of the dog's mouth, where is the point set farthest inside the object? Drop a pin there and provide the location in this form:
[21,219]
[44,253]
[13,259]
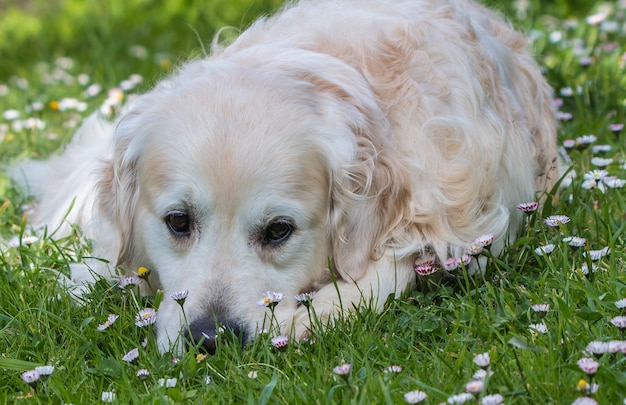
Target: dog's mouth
[206,335]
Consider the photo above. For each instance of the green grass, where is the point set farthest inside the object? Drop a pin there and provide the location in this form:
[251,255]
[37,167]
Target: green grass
[433,334]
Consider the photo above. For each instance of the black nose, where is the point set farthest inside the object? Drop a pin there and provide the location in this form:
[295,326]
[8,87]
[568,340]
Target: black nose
[205,334]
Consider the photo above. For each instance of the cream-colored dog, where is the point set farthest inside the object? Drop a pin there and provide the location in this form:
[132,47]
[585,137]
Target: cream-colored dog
[364,136]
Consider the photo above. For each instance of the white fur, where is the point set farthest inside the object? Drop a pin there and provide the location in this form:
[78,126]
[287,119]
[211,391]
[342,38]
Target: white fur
[388,132]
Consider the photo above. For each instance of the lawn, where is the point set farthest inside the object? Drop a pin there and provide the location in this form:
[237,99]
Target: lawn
[543,326]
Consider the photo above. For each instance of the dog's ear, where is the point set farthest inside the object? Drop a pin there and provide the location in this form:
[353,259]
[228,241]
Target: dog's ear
[370,189]
[117,187]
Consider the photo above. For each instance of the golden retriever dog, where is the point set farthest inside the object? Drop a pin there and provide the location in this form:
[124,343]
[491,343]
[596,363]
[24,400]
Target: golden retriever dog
[358,137]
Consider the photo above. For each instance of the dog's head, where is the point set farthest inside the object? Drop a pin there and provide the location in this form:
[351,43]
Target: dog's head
[247,174]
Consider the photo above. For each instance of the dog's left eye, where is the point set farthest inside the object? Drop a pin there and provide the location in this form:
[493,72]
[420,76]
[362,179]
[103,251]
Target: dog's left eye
[277,232]
[178,223]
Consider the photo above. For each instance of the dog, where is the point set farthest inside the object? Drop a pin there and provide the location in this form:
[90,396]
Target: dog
[329,148]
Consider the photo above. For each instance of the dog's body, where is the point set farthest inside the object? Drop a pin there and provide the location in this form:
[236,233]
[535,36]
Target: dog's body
[364,134]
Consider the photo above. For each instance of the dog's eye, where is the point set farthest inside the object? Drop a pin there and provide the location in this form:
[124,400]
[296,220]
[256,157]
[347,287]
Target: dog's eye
[178,223]
[277,232]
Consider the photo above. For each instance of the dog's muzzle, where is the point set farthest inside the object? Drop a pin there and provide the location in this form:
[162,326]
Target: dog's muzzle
[205,334]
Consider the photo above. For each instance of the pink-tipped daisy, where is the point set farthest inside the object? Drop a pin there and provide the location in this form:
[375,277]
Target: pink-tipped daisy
[343,370]
[588,365]
[142,374]
[556,220]
[280,341]
[426,268]
[616,346]
[451,263]
[30,377]
[414,397]
[619,321]
[131,355]
[145,317]
[485,240]
[616,128]
[474,386]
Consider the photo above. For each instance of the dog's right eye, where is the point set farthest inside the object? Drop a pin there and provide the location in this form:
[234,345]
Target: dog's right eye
[178,223]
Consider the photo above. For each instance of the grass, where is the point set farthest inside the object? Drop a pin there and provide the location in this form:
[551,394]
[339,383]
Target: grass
[434,334]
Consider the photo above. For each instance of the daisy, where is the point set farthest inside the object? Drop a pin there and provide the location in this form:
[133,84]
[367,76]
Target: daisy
[180,296]
[474,386]
[481,374]
[528,207]
[142,374]
[107,396]
[621,304]
[110,320]
[31,377]
[44,371]
[485,240]
[207,380]
[585,401]
[474,249]
[465,260]
[596,255]
[588,365]
[270,299]
[616,128]
[460,398]
[392,369]
[585,387]
[451,264]
[540,308]
[200,357]
[575,241]
[426,269]
[280,341]
[601,149]
[583,141]
[306,298]
[482,360]
[585,269]
[563,116]
[569,144]
[145,317]
[596,348]
[131,356]
[613,182]
[413,397]
[616,346]
[596,175]
[343,369]
[619,321]
[538,328]
[253,375]
[556,220]
[129,282]
[169,383]
[545,250]
[601,162]
[494,399]
[11,115]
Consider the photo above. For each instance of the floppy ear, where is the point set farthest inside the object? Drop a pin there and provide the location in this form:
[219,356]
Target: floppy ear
[117,188]
[370,188]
